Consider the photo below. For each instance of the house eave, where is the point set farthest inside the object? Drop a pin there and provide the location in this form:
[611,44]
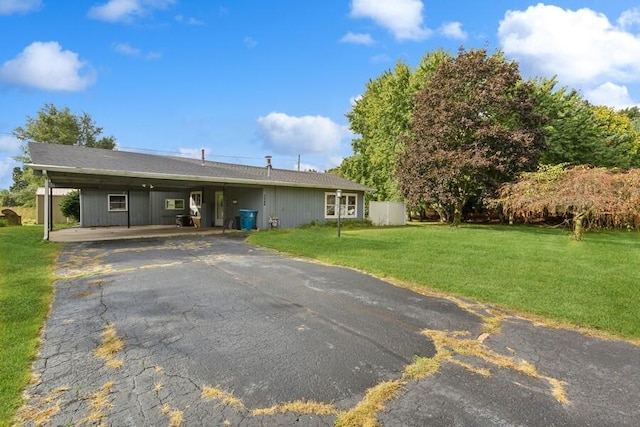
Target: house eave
[186,179]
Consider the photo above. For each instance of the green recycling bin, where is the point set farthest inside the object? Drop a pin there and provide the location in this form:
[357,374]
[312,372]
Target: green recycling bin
[248,219]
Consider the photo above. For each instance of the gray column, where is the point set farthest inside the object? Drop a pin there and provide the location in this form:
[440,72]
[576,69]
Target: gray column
[47,205]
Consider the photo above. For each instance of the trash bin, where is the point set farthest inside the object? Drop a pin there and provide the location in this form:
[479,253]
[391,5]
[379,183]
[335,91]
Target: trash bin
[248,219]
[237,219]
[183,220]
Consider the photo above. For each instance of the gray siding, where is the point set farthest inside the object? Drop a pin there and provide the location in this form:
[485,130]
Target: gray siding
[297,206]
[95,209]
[292,206]
[246,198]
[208,206]
[160,215]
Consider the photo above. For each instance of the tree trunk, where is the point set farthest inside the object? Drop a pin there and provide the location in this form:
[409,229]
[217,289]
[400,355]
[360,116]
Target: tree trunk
[578,228]
[457,213]
[441,211]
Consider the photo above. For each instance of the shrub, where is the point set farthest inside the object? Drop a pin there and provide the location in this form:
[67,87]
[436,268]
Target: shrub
[70,205]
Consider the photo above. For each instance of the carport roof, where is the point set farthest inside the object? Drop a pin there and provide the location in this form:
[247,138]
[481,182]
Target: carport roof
[82,167]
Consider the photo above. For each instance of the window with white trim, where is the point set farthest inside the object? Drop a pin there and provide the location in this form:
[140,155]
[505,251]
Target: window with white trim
[118,203]
[174,204]
[348,205]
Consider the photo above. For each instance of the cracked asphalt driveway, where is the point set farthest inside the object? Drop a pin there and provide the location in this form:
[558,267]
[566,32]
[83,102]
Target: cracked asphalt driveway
[208,330]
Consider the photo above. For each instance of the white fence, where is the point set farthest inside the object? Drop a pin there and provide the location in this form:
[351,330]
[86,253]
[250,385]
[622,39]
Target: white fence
[387,213]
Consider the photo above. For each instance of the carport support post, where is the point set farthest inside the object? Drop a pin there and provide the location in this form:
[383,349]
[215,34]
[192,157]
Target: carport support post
[338,199]
[47,205]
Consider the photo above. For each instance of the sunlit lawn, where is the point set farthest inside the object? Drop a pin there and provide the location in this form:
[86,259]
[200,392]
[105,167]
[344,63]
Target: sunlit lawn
[25,294]
[594,283]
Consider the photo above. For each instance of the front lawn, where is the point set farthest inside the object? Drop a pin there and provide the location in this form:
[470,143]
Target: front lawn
[25,295]
[594,283]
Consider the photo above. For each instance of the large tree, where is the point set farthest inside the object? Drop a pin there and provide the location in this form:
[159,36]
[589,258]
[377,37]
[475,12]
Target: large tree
[52,126]
[59,126]
[379,118]
[620,138]
[474,127]
[579,133]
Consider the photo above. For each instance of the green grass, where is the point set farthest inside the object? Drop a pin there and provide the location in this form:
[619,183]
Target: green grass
[594,283]
[25,294]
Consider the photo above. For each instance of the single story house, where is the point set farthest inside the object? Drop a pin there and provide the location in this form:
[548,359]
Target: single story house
[120,188]
[55,197]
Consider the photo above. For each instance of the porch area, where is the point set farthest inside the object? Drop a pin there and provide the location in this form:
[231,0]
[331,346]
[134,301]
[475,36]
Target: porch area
[93,234]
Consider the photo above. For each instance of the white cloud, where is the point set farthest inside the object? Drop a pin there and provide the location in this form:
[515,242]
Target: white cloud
[116,10]
[9,148]
[580,47]
[193,153]
[357,38]
[128,50]
[629,18]
[307,167]
[126,10]
[8,7]
[301,135]
[402,17]
[153,55]
[610,94]
[453,30]
[6,172]
[10,144]
[188,21]
[46,66]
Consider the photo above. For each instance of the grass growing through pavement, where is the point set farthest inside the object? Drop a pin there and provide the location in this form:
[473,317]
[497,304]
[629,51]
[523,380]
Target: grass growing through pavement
[594,283]
[25,295]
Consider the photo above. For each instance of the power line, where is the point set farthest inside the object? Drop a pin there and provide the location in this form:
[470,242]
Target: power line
[149,150]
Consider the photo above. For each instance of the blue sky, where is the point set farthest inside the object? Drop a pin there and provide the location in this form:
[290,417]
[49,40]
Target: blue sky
[245,78]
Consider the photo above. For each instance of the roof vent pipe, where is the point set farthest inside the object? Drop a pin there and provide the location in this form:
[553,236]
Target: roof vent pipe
[202,153]
[269,167]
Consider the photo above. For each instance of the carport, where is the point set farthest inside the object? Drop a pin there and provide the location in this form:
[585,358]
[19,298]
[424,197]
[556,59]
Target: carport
[126,189]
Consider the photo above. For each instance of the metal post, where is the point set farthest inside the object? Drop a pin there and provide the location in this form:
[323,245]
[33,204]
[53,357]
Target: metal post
[338,206]
[47,205]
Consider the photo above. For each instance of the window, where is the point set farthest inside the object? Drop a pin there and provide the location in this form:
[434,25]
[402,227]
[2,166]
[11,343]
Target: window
[118,203]
[348,205]
[174,204]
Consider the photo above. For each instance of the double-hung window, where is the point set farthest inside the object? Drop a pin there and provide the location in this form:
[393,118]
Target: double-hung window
[118,203]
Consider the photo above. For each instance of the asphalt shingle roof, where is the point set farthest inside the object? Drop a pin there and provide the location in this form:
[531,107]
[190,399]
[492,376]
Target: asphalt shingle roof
[93,161]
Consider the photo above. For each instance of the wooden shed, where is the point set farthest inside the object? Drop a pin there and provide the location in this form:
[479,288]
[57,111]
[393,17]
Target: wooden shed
[56,197]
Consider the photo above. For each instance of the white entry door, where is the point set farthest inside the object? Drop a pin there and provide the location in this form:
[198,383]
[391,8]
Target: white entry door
[219,210]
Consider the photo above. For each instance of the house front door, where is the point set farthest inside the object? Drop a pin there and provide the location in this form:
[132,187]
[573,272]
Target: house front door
[219,209]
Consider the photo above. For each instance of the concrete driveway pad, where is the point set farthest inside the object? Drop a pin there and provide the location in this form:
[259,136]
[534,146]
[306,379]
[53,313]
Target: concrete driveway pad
[208,330]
